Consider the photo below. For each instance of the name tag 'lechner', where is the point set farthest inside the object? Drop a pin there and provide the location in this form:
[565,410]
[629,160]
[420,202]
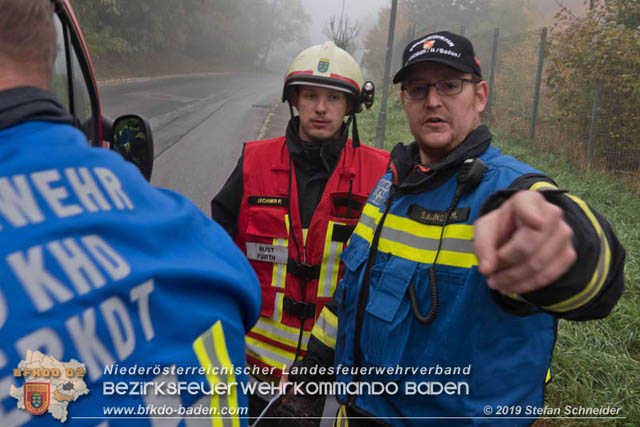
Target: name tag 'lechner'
[267,201]
[267,253]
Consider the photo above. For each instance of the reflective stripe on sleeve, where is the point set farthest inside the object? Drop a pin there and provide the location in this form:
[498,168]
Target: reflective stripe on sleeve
[211,351]
[326,328]
[602,267]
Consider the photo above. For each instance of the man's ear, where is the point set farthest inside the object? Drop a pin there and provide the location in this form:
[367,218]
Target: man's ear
[402,98]
[481,95]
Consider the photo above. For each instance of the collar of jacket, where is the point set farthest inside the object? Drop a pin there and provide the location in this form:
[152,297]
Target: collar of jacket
[27,103]
[313,156]
[409,179]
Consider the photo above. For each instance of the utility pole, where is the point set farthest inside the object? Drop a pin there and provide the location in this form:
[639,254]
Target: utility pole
[382,117]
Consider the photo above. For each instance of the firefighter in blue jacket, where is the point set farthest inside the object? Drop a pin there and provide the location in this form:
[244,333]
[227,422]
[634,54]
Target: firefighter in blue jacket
[116,298]
[461,265]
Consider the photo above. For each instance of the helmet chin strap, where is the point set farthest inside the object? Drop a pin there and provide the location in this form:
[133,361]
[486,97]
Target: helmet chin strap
[355,137]
[290,109]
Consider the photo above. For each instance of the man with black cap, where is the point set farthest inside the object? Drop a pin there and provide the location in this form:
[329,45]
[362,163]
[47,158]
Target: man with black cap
[461,264]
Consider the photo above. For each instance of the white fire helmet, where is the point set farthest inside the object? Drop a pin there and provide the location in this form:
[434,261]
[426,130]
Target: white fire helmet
[327,66]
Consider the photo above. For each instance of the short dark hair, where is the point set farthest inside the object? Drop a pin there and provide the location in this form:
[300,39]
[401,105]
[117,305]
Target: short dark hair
[28,34]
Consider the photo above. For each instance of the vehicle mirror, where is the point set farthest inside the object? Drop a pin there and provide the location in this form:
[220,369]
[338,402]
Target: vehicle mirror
[132,139]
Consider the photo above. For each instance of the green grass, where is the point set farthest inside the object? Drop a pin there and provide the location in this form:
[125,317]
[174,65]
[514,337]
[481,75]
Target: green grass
[595,363]
[397,128]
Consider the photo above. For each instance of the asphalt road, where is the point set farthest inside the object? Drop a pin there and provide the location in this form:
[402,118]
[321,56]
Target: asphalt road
[199,123]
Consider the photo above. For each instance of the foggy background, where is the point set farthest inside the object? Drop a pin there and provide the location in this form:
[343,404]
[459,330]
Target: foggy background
[155,37]
[363,12]
[550,64]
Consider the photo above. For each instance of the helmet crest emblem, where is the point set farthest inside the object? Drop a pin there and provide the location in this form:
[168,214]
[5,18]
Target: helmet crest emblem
[323,65]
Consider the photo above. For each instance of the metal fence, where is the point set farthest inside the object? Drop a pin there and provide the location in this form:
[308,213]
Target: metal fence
[521,104]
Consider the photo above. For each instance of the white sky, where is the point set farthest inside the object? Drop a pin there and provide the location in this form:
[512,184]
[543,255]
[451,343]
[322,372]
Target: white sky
[364,12]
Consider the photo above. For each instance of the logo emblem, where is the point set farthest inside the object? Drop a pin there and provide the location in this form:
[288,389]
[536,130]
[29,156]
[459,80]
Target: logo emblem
[323,65]
[36,398]
[379,194]
[428,44]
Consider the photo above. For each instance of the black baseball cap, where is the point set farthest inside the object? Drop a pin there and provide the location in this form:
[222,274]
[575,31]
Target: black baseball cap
[442,47]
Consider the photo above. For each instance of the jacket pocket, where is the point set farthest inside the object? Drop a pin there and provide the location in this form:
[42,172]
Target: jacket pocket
[386,325]
[386,296]
[267,222]
[391,334]
[347,207]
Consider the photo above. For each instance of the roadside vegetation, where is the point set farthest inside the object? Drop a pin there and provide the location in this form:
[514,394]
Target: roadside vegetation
[595,363]
[149,37]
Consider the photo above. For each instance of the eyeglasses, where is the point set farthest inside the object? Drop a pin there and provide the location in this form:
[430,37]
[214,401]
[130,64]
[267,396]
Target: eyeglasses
[417,91]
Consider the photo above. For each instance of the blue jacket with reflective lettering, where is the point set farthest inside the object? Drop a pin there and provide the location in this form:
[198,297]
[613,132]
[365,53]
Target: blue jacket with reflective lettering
[130,289]
[484,354]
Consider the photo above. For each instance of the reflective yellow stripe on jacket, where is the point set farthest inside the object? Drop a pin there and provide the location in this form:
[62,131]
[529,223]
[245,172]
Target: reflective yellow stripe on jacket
[211,350]
[418,242]
[325,329]
[341,419]
[279,275]
[330,264]
[270,354]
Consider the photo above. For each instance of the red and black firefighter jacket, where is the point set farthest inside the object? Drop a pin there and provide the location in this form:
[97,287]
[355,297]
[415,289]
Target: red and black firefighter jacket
[291,206]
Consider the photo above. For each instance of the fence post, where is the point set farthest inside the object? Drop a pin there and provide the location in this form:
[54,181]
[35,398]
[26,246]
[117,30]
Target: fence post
[382,116]
[494,58]
[591,145]
[536,91]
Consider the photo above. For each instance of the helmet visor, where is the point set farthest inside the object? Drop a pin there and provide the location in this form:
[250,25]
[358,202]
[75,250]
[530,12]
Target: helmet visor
[325,85]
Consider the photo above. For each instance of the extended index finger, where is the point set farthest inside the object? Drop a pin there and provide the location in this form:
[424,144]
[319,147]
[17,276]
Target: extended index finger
[486,241]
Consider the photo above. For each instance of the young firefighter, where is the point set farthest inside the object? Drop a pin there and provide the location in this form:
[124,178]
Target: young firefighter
[292,202]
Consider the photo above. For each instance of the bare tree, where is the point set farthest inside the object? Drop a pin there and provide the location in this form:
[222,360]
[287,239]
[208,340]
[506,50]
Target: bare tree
[286,21]
[343,32]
